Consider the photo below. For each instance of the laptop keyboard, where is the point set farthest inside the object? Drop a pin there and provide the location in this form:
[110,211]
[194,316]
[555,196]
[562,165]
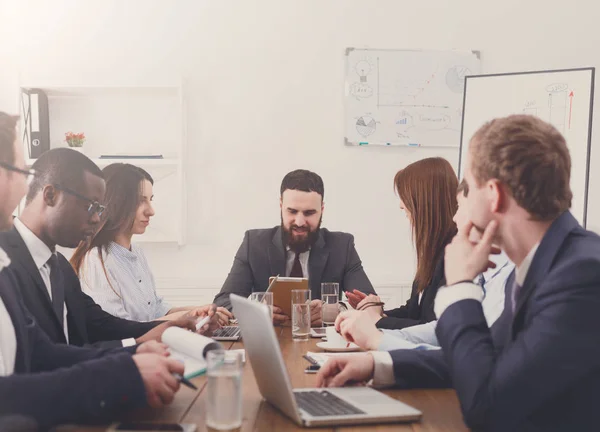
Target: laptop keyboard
[323,403]
[230,331]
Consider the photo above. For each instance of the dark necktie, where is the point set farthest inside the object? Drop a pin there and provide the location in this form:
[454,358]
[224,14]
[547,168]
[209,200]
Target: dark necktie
[297,267]
[57,288]
[481,282]
[514,293]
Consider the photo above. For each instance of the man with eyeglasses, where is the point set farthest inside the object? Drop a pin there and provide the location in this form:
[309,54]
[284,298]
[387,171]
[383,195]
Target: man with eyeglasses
[63,207]
[43,384]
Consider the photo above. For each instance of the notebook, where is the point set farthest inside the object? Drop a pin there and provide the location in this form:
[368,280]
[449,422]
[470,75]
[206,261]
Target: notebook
[282,291]
[190,348]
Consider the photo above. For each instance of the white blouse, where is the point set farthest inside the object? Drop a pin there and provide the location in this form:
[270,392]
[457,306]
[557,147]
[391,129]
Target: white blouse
[127,288]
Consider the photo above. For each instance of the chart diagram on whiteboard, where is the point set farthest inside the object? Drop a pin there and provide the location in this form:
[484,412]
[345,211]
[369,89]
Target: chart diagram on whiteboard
[410,98]
[555,105]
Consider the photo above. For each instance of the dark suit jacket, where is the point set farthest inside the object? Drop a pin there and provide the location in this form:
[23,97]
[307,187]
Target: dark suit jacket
[87,322]
[332,258]
[538,369]
[413,312]
[57,383]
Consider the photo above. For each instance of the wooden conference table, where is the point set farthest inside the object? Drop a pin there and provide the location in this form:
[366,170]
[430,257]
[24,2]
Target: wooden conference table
[440,408]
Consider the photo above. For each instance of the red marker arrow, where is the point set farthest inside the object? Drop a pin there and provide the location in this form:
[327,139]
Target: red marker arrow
[570,107]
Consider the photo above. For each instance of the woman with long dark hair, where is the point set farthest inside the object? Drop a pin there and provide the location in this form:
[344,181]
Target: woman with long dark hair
[114,270]
[427,192]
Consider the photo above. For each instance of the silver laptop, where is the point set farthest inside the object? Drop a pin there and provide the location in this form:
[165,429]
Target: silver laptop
[228,333]
[308,407]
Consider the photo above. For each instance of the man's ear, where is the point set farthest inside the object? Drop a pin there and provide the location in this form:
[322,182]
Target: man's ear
[498,196]
[50,195]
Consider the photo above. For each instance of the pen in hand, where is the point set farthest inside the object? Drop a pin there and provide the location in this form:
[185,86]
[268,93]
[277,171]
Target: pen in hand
[185,381]
[201,323]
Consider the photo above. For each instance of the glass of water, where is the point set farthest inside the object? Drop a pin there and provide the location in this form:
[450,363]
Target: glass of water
[300,314]
[224,398]
[330,296]
[264,298]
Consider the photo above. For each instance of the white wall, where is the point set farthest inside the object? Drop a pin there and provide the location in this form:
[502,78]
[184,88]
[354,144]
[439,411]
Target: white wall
[264,89]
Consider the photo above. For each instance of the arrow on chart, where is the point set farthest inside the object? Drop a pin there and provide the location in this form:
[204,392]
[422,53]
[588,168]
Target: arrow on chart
[570,107]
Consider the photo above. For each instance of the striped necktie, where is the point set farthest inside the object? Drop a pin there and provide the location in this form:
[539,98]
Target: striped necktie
[516,288]
[481,282]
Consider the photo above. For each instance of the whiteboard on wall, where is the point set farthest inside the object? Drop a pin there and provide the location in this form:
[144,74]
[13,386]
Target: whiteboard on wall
[561,97]
[405,97]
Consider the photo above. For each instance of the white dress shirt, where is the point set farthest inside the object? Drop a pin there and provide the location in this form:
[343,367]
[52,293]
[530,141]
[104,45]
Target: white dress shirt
[8,337]
[523,269]
[291,256]
[40,254]
[127,288]
[383,374]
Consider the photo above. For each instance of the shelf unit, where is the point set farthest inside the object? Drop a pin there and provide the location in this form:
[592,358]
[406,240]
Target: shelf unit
[128,119]
[141,162]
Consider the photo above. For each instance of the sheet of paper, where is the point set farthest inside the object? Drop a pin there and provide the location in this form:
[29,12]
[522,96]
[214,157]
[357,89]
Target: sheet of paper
[190,348]
[193,366]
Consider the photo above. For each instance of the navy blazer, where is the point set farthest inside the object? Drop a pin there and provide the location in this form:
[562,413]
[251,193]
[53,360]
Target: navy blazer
[416,312]
[538,369]
[87,322]
[57,383]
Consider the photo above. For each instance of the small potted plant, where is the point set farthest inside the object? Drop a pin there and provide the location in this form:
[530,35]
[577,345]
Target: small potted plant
[75,140]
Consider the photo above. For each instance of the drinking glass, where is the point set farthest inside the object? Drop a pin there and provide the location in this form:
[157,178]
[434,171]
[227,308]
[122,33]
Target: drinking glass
[224,398]
[300,314]
[265,298]
[330,295]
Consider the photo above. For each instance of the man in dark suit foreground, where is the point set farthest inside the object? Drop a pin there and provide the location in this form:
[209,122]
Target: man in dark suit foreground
[538,367]
[297,248]
[52,383]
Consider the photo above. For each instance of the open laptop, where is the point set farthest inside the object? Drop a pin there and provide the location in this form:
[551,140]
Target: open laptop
[308,407]
[228,333]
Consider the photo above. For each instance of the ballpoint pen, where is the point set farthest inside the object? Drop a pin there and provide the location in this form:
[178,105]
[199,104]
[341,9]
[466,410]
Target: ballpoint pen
[202,322]
[206,319]
[185,381]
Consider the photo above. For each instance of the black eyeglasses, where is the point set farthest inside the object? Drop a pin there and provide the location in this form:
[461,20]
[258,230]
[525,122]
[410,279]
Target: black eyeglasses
[94,207]
[28,173]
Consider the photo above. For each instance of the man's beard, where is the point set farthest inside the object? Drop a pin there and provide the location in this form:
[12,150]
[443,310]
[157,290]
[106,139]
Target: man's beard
[299,245]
